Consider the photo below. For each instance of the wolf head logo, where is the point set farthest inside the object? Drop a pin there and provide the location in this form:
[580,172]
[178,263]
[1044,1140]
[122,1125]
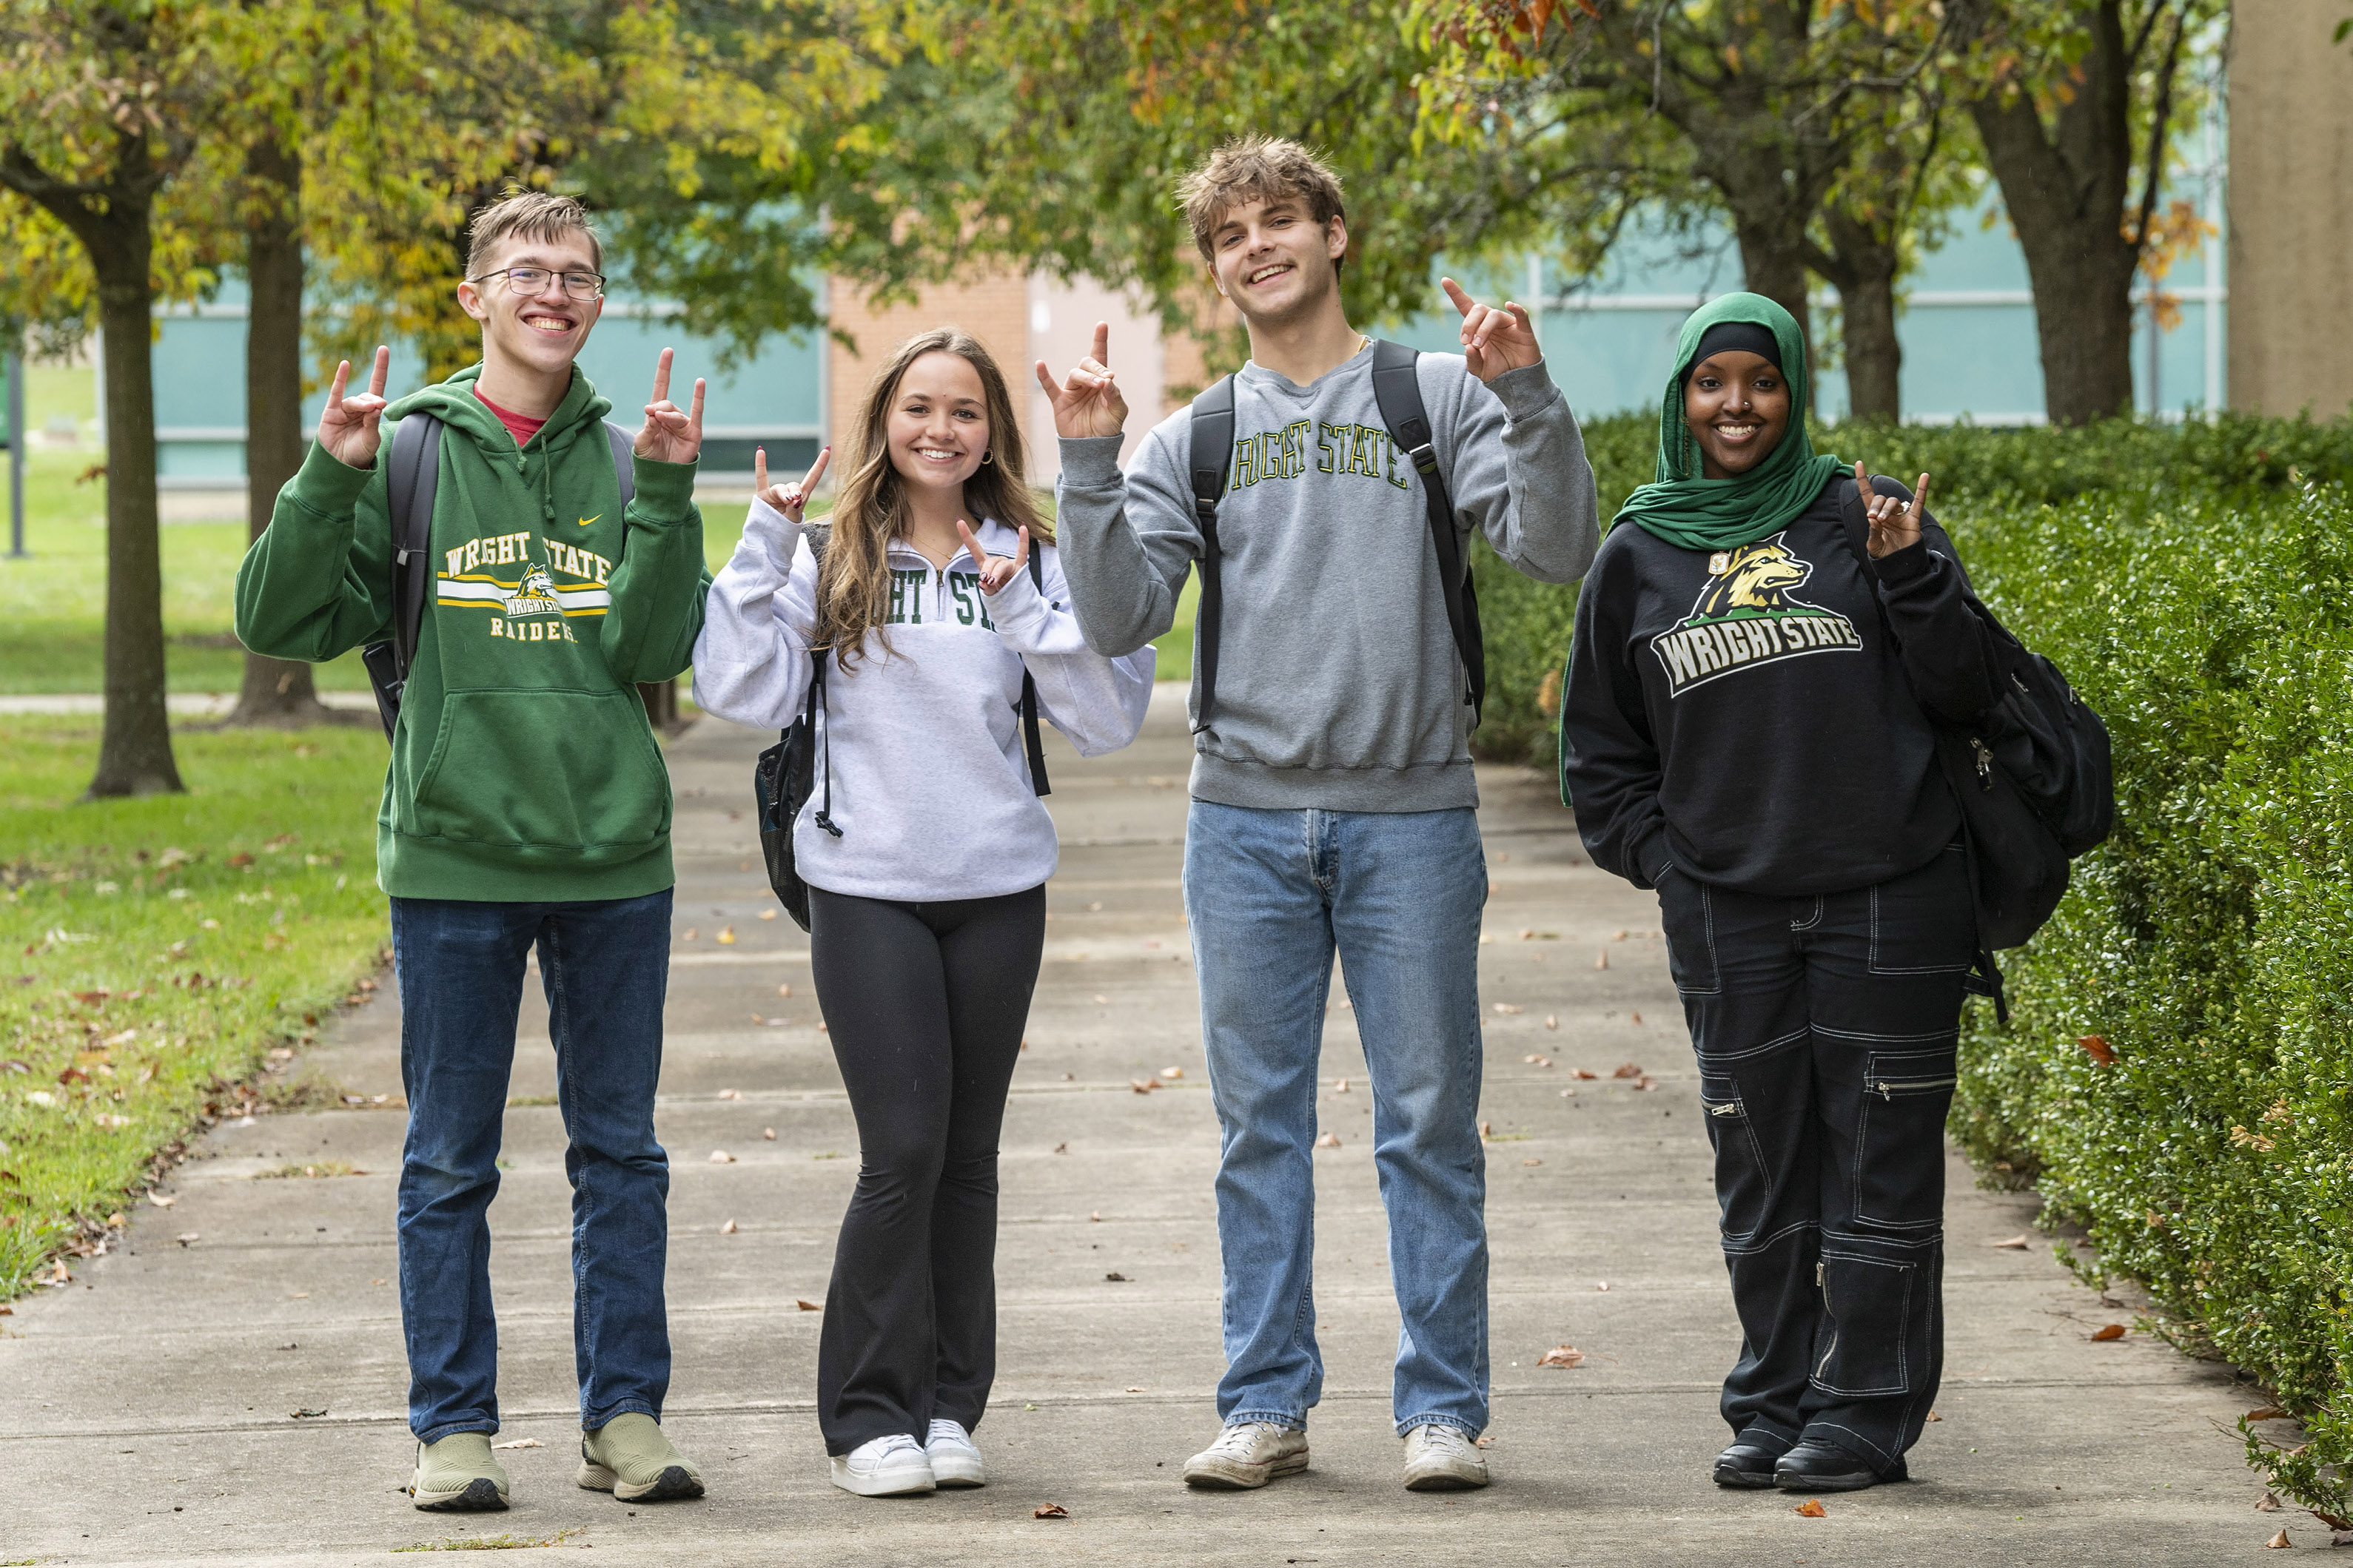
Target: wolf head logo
[537,583]
[1757,577]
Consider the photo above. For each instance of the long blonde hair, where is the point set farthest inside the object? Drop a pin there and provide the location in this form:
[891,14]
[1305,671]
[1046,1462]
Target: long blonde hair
[854,586]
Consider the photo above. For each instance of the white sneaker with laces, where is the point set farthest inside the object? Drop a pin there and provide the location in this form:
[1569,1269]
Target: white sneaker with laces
[1443,1459]
[954,1459]
[887,1466]
[1248,1454]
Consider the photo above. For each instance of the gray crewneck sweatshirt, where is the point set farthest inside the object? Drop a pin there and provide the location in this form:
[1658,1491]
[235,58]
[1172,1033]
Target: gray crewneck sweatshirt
[1338,684]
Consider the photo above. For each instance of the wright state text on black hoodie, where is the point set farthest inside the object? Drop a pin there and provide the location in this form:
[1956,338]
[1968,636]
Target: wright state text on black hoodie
[1742,715]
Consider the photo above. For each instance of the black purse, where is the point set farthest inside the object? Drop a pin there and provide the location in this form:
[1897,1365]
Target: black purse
[2032,776]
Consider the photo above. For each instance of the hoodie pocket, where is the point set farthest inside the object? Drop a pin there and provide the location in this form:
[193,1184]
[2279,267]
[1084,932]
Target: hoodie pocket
[541,769]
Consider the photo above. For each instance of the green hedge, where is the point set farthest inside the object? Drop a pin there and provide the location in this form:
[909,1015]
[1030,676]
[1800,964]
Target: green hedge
[2196,581]
[2209,947]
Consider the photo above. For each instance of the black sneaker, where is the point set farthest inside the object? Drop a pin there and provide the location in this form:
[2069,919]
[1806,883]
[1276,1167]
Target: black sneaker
[1747,1463]
[1814,1466]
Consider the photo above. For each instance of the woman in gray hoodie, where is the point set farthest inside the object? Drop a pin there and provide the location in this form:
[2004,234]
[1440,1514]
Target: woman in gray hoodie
[921,597]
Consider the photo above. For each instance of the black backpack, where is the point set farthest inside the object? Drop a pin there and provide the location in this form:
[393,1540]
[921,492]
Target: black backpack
[1399,392]
[2032,774]
[786,775]
[415,468]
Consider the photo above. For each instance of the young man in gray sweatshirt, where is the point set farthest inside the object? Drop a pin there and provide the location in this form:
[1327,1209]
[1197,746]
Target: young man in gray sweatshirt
[1333,792]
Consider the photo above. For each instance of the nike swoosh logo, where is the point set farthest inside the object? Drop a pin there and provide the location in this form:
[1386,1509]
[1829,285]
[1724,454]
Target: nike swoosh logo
[586,520]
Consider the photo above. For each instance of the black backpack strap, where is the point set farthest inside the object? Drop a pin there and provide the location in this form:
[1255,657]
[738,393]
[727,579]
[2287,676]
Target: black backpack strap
[1029,697]
[819,535]
[625,470]
[1397,387]
[411,480]
[1212,459]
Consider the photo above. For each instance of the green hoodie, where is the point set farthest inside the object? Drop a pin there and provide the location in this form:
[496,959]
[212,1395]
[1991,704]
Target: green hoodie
[523,768]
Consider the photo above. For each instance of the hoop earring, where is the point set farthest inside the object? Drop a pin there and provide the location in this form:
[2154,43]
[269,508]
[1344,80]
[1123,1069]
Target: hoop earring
[987,459]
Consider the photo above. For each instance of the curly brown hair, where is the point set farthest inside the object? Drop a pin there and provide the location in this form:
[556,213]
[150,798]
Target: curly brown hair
[1257,169]
[853,590]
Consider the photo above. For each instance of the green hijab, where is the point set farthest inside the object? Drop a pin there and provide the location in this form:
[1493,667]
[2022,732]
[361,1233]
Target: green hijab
[1697,513]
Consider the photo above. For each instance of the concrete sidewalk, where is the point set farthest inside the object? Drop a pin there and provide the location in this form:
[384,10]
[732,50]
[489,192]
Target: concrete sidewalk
[151,1403]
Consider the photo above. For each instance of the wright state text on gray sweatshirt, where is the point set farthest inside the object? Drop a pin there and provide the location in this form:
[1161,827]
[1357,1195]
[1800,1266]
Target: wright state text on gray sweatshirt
[1338,684]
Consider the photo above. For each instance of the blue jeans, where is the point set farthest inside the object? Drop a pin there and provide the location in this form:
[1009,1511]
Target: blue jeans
[604,965]
[1270,896]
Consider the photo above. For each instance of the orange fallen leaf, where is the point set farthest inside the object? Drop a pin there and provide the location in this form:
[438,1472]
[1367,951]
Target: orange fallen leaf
[806,1306]
[1143,1085]
[1050,1511]
[1581,1072]
[2109,1331]
[1636,1016]
[1811,1509]
[767,914]
[1172,1073]
[784,990]
[1626,1069]
[1062,1148]
[2279,1542]
[1532,1161]
[1934,1416]
[722,1157]
[727,1229]
[1564,1356]
[2096,1047]
[2016,1242]
[727,935]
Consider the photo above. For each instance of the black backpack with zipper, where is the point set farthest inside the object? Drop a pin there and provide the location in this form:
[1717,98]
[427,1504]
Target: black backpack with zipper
[2032,776]
[1397,390]
[786,773]
[414,473]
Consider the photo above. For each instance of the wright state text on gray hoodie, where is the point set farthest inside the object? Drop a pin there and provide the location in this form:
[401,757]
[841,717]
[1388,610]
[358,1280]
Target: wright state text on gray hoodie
[1338,684]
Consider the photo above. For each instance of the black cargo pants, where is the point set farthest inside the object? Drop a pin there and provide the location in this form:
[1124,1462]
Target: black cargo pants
[1826,1030]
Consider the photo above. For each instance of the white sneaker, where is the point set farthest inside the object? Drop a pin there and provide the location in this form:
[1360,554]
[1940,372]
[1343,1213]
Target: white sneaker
[1443,1459]
[887,1466]
[955,1461]
[1248,1454]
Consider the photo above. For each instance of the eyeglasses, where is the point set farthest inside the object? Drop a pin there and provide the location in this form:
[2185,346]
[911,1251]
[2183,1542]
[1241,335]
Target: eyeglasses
[532,279]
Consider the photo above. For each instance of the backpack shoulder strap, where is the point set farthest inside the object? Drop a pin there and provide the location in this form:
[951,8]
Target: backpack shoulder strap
[1397,387]
[1211,459]
[1030,696]
[625,467]
[413,474]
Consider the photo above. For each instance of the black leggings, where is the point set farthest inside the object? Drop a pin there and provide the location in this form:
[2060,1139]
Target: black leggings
[925,1004]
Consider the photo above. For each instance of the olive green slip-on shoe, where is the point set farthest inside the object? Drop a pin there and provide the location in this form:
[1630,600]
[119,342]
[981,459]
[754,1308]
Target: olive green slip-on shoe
[630,1458]
[457,1475]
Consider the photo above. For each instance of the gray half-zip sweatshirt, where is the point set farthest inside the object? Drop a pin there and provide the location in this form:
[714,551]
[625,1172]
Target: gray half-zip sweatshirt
[1338,684]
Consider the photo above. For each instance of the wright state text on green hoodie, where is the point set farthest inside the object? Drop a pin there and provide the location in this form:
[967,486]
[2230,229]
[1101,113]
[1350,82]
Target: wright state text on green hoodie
[523,767]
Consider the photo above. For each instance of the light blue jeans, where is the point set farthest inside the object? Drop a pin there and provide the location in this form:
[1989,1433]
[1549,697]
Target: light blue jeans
[1270,896]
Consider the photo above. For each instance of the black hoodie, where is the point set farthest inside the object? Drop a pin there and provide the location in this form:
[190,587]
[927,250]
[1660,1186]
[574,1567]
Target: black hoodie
[1743,716]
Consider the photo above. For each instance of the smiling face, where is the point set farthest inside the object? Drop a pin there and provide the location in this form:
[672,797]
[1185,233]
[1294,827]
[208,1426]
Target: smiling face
[1274,261]
[938,422]
[540,332]
[1737,404]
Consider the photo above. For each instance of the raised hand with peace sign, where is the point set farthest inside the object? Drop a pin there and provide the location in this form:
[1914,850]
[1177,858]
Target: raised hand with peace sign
[1894,521]
[348,426]
[790,499]
[1089,402]
[1494,340]
[671,436]
[995,571]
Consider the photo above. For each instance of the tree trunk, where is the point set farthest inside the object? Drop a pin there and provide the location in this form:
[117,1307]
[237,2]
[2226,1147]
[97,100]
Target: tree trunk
[276,692]
[1861,265]
[135,755]
[2066,187]
[1773,263]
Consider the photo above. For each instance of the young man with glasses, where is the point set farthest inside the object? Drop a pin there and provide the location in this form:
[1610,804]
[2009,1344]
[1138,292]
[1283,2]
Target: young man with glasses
[527,806]
[1333,792]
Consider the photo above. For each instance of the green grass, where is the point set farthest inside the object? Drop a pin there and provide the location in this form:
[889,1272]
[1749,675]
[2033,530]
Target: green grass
[158,949]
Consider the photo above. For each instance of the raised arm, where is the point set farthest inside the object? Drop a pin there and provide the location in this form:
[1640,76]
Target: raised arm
[318,582]
[659,586]
[1127,540]
[1515,463]
[752,663]
[1096,700]
[1948,650]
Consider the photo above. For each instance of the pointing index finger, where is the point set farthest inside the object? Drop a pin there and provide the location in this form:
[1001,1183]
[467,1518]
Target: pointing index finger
[760,471]
[1462,301]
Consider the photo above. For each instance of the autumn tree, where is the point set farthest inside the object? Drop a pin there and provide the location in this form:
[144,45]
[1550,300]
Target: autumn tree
[103,103]
[2077,104]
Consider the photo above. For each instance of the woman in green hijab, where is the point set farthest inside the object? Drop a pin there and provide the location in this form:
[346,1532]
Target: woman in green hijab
[1746,727]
